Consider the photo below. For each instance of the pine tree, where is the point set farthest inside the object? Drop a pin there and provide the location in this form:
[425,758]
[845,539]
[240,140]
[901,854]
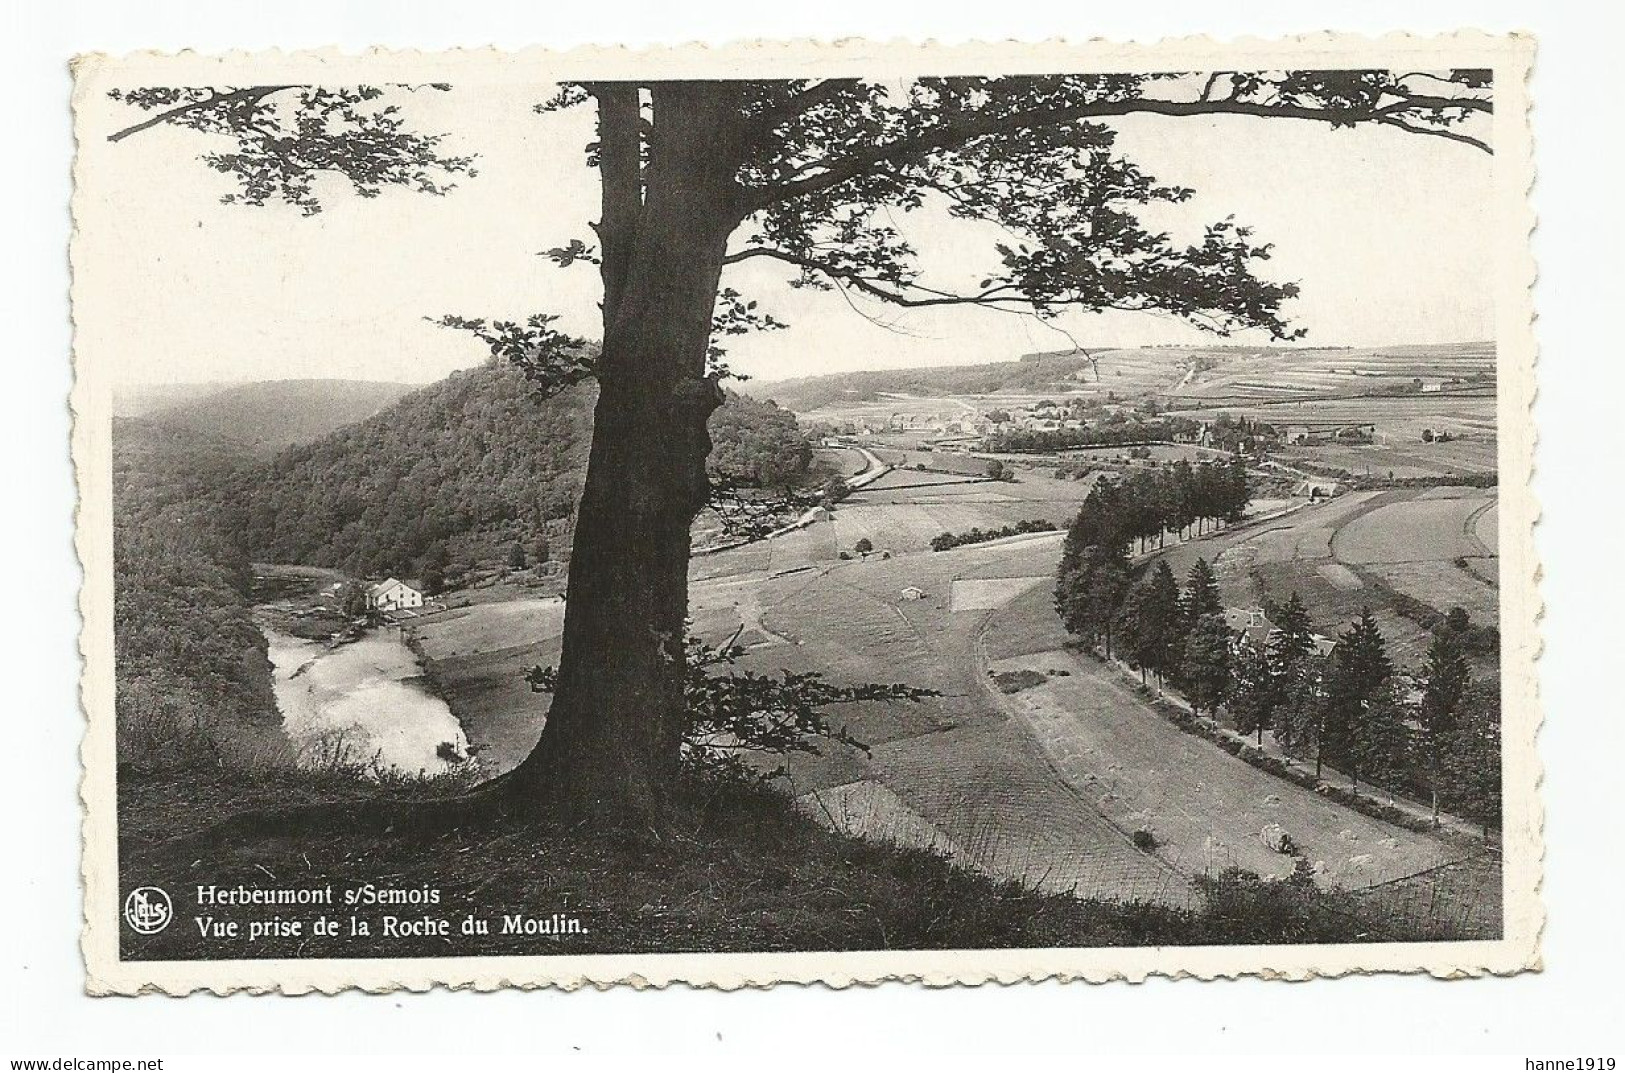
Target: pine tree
[1300,708]
[1205,670]
[1472,764]
[1089,591]
[1360,667]
[1292,638]
[1202,593]
[1160,626]
[1381,741]
[1446,678]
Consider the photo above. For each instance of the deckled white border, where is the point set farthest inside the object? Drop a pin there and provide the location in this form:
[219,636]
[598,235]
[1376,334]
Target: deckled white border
[1514,272]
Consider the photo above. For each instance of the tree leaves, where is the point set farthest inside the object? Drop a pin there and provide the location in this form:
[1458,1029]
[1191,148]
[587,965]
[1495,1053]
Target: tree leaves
[288,136]
[740,712]
[551,359]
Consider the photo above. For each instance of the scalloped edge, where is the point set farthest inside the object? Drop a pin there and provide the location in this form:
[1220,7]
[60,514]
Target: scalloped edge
[1512,56]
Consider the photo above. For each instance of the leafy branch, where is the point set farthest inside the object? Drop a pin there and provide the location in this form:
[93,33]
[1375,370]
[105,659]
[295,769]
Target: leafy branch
[742,712]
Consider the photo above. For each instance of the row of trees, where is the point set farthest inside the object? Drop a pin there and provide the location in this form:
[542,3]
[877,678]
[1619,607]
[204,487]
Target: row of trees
[1436,733]
[1150,503]
[946,541]
[1124,430]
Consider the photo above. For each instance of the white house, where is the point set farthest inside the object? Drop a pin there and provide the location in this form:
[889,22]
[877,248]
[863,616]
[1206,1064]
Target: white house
[392,595]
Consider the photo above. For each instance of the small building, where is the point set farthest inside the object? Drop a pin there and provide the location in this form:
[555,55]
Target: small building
[913,592]
[1250,625]
[392,594]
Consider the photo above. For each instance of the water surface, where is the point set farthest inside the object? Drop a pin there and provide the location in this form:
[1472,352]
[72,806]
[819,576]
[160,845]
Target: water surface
[364,702]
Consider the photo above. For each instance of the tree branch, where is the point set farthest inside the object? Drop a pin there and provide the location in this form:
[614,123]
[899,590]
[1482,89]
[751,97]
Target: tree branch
[872,286]
[252,93]
[964,129]
[763,124]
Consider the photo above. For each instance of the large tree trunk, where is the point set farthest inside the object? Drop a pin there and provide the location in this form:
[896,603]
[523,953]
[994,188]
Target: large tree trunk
[613,736]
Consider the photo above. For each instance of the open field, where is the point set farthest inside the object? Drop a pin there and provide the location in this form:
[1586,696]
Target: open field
[1423,528]
[1021,784]
[843,460]
[1271,373]
[1205,808]
[905,509]
[1046,783]
[1472,454]
[1182,376]
[1344,555]
[477,657]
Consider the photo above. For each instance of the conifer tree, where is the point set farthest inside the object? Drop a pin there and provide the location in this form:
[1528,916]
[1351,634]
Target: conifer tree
[1202,593]
[1360,668]
[1205,670]
[1446,677]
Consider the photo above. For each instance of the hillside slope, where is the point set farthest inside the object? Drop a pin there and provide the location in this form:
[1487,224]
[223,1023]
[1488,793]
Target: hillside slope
[193,680]
[1176,373]
[456,474]
[1036,372]
[269,416]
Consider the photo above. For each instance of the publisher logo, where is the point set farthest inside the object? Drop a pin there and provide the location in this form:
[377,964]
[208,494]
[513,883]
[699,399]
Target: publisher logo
[147,910]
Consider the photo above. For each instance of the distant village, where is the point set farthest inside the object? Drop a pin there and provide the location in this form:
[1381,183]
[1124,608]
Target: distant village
[962,426]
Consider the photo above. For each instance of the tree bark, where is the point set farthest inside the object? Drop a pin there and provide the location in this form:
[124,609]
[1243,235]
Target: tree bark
[612,741]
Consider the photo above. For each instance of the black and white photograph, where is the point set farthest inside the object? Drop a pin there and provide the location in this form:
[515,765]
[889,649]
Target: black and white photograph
[819,513]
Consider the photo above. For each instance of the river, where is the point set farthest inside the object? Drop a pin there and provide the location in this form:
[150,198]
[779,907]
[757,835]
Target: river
[364,702]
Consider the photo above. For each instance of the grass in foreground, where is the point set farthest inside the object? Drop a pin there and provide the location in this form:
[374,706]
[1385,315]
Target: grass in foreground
[738,869]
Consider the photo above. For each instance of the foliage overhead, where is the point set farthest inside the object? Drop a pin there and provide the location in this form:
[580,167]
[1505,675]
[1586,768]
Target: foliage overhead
[288,136]
[825,164]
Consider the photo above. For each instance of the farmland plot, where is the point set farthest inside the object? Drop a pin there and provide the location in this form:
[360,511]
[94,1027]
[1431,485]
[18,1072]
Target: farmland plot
[1420,529]
[1205,807]
[905,510]
[989,790]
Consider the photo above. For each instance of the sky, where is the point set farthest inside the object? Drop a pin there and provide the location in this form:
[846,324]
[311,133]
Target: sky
[1387,235]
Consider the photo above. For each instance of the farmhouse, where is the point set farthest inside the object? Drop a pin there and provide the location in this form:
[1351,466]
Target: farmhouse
[1250,625]
[392,595]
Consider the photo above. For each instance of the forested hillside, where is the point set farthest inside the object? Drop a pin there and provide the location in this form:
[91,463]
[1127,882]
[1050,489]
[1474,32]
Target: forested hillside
[271,415]
[193,681]
[758,444]
[456,473]
[473,463]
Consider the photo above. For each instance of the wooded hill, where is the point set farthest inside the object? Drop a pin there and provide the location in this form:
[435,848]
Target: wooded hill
[455,474]
[264,417]
[194,683]
[458,471]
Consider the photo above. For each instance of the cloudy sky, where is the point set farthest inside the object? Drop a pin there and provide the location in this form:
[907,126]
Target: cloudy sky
[1386,234]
